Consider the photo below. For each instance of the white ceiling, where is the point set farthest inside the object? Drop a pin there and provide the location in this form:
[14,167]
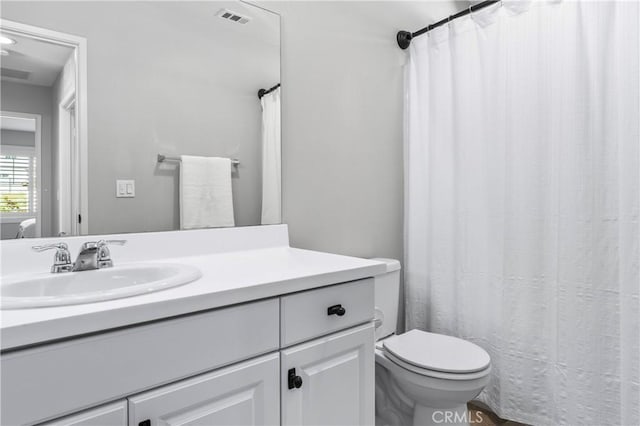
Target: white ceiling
[16,123]
[41,59]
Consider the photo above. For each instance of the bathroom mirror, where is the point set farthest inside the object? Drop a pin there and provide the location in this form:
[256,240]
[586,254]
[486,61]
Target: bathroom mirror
[101,100]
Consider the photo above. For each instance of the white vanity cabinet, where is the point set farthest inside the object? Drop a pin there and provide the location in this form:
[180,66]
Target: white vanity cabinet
[57,379]
[298,359]
[243,394]
[114,414]
[330,380]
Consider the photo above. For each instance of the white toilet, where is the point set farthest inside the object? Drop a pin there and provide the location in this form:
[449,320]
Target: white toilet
[421,378]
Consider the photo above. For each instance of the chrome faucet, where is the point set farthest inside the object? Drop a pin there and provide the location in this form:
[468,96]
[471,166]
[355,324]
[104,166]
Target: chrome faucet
[93,255]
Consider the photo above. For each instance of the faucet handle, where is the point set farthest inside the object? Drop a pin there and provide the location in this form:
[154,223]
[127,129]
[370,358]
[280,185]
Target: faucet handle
[112,242]
[62,258]
[104,255]
[59,246]
[101,243]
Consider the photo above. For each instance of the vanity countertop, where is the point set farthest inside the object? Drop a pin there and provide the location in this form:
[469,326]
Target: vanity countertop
[228,277]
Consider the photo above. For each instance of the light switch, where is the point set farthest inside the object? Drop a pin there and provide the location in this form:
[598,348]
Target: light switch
[125,188]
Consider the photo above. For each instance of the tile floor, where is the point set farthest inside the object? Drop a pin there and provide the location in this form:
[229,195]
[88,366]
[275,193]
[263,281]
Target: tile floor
[487,417]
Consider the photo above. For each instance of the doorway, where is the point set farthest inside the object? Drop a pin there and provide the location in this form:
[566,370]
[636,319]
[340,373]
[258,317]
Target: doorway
[57,61]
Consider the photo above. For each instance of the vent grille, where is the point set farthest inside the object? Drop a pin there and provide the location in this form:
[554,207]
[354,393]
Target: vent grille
[232,16]
[11,73]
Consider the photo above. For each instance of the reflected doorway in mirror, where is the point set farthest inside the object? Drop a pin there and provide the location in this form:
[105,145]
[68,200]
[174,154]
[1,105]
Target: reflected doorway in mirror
[52,84]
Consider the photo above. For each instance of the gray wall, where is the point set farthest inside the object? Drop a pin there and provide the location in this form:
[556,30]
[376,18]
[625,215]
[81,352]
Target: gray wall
[342,121]
[16,97]
[342,75]
[164,77]
[17,138]
[8,230]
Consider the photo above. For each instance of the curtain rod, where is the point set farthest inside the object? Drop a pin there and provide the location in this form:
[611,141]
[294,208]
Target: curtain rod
[404,37]
[263,92]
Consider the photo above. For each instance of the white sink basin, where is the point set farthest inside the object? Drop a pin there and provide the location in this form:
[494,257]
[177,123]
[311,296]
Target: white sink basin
[71,288]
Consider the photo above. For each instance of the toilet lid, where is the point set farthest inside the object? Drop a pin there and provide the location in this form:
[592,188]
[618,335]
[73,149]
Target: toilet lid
[438,352]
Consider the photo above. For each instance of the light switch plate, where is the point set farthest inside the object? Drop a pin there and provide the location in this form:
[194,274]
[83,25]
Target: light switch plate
[125,188]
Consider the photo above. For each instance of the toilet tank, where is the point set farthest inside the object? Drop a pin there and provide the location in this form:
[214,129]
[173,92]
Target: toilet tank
[387,298]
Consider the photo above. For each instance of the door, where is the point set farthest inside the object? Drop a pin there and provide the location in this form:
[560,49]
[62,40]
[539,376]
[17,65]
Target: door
[114,414]
[76,179]
[333,381]
[243,394]
[68,190]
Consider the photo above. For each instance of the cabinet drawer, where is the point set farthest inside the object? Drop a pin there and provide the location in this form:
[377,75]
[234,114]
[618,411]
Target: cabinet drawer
[70,376]
[108,415]
[305,315]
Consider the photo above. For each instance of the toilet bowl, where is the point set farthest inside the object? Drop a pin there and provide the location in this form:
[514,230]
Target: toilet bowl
[437,396]
[422,378]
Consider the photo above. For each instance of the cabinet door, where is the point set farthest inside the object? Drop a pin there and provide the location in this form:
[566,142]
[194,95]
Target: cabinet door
[243,394]
[336,378]
[107,415]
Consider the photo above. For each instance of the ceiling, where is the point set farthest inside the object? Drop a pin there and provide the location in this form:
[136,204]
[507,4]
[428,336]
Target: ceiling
[42,60]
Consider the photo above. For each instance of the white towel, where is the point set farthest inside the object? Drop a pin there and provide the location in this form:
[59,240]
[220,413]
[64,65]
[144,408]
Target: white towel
[271,159]
[206,198]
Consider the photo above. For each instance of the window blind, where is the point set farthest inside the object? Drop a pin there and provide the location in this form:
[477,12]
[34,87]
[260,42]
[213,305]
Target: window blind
[17,181]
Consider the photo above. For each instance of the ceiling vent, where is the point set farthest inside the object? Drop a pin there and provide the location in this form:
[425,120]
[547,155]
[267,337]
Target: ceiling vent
[232,16]
[11,73]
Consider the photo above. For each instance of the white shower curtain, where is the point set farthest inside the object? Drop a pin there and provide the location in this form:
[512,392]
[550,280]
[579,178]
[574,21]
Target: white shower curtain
[522,203]
[271,159]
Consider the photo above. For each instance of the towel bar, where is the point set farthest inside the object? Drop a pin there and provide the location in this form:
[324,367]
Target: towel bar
[162,158]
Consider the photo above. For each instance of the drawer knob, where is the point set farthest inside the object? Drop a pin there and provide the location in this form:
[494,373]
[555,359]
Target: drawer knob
[336,310]
[294,380]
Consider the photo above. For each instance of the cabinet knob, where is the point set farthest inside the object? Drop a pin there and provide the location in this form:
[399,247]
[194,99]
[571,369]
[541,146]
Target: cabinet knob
[336,310]
[294,380]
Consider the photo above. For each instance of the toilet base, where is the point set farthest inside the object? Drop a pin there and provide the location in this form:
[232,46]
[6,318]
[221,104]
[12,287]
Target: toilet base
[427,416]
[405,397]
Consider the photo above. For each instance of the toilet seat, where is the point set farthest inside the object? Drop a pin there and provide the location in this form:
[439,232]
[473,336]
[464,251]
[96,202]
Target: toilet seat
[435,374]
[437,355]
